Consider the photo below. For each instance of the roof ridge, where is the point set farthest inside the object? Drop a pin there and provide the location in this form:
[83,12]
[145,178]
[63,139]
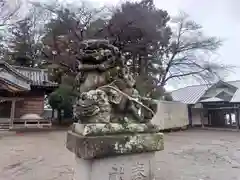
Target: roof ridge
[190,86]
[205,84]
[29,68]
[233,81]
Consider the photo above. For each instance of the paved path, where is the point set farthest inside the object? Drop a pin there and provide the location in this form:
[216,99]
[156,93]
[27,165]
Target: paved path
[188,155]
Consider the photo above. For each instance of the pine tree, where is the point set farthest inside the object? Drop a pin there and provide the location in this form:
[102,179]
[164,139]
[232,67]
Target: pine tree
[21,42]
[24,43]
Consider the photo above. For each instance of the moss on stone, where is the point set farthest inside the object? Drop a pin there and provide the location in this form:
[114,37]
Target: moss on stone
[112,145]
[101,129]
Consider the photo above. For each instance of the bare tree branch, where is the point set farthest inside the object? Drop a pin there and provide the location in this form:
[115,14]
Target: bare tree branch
[7,11]
[188,51]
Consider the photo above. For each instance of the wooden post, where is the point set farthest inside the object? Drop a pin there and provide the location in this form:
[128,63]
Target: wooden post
[12,113]
[237,118]
[230,118]
[201,117]
[210,118]
[190,115]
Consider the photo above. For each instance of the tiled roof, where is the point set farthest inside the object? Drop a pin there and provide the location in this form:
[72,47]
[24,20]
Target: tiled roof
[13,70]
[192,94]
[38,77]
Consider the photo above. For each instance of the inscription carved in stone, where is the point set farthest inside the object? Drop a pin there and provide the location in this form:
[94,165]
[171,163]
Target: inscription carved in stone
[138,172]
[116,173]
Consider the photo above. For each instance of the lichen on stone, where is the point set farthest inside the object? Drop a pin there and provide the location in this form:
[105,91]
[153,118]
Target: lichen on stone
[133,143]
[137,127]
[112,145]
[111,128]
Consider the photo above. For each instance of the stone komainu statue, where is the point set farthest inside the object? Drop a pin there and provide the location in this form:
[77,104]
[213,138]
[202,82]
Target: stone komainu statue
[107,92]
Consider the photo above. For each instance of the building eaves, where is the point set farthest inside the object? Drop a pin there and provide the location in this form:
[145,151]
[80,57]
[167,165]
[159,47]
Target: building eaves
[13,70]
[213,99]
[236,97]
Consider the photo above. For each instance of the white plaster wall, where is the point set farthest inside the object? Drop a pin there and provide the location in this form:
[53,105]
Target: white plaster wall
[48,113]
[171,114]
[196,117]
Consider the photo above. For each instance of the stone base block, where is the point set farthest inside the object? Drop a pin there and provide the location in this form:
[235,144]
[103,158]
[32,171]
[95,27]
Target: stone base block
[128,167]
[113,145]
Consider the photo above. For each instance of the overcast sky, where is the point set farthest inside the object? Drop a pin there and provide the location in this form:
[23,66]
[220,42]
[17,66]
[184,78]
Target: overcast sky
[218,18]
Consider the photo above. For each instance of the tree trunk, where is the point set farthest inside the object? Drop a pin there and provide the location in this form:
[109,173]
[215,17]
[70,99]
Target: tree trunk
[141,66]
[134,65]
[53,110]
[59,116]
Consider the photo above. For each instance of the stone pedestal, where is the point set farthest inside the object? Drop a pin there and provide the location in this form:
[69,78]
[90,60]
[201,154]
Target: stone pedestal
[126,167]
[122,156]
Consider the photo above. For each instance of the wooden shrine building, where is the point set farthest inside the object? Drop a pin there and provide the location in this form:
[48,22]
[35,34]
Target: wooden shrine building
[215,105]
[22,91]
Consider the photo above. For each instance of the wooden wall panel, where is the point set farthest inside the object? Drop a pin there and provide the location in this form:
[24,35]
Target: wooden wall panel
[33,104]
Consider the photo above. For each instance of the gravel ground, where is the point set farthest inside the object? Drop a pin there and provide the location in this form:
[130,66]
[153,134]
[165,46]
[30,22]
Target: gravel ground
[35,156]
[188,155]
[200,155]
